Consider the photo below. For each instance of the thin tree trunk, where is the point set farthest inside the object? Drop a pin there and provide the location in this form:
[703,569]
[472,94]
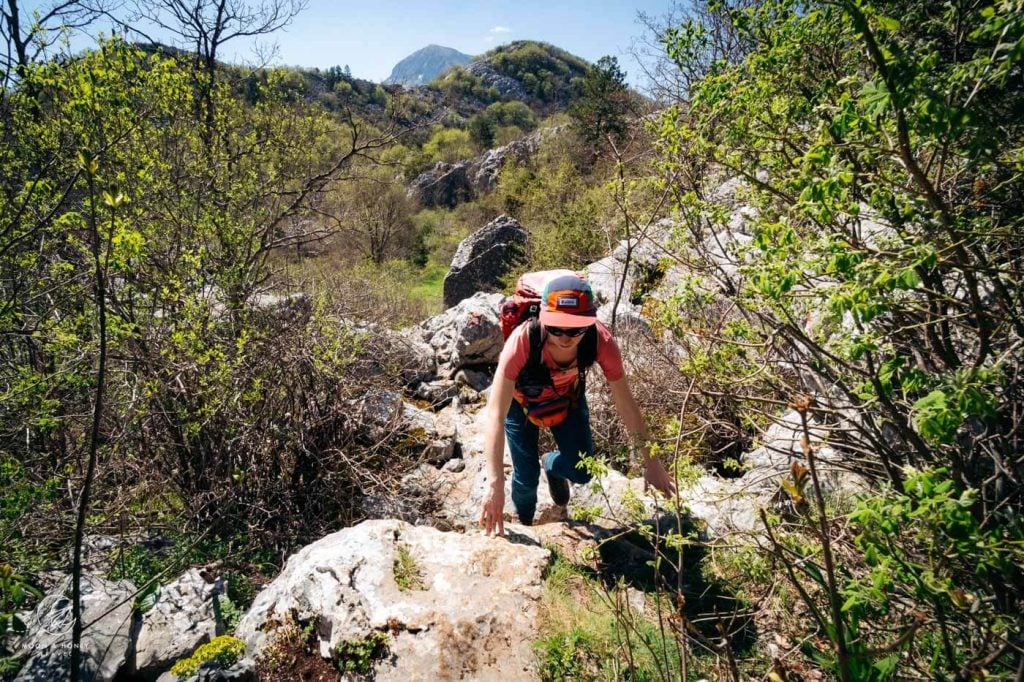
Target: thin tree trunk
[97,413]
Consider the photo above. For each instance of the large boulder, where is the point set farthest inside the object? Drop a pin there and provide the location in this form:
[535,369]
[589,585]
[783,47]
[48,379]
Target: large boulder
[107,611]
[182,618]
[466,335]
[493,160]
[464,606]
[642,253]
[446,185]
[483,258]
[730,505]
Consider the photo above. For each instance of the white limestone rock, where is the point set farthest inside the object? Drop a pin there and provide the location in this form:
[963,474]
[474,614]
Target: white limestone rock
[106,605]
[475,614]
[467,334]
[181,619]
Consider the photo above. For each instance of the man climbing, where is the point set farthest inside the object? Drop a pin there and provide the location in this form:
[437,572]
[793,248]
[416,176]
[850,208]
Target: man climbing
[540,382]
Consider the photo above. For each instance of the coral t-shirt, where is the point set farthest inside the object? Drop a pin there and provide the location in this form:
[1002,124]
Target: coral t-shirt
[516,353]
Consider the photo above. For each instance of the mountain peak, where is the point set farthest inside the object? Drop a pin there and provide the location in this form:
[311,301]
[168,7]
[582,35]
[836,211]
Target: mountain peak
[426,64]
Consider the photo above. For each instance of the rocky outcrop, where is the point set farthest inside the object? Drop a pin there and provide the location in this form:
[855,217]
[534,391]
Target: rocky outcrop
[182,617]
[106,607]
[490,164]
[466,335]
[508,88]
[445,185]
[448,184]
[438,393]
[455,606]
[634,264]
[381,414]
[732,505]
[483,258]
[383,352]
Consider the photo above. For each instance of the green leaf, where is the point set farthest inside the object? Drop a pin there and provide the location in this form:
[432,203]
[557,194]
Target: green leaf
[935,418]
[908,279]
[875,98]
[887,23]
[886,667]
[814,572]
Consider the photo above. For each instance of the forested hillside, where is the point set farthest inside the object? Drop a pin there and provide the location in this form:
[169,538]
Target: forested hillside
[208,271]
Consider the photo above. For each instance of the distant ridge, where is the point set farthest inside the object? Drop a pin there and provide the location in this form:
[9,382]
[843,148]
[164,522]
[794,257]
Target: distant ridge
[424,65]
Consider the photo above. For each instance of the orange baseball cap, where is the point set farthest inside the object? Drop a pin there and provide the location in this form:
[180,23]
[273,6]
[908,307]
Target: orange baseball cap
[568,301]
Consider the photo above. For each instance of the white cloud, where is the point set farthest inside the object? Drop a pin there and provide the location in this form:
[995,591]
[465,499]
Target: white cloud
[501,29]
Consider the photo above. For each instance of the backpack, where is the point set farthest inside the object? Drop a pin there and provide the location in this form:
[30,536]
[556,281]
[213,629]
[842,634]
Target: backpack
[522,306]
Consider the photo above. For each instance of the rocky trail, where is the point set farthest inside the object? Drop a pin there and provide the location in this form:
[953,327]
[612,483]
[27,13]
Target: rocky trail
[450,602]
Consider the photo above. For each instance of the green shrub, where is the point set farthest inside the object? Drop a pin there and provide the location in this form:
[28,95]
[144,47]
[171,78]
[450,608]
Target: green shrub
[449,145]
[925,546]
[224,651]
[15,594]
[228,612]
[587,634]
[22,502]
[486,127]
[406,571]
[564,214]
[359,655]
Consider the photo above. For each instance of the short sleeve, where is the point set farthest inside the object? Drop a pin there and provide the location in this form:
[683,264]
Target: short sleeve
[608,354]
[516,352]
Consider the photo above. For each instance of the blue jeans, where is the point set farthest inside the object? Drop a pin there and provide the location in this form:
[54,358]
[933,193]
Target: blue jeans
[574,441]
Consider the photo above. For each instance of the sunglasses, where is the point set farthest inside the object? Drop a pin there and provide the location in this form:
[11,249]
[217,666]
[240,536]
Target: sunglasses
[572,332]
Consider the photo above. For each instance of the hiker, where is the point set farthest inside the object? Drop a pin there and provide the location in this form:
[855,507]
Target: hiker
[547,389]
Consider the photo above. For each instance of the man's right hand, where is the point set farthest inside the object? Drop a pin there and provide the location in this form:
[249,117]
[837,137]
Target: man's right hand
[492,515]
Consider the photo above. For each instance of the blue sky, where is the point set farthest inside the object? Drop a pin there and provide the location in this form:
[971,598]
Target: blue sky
[371,36]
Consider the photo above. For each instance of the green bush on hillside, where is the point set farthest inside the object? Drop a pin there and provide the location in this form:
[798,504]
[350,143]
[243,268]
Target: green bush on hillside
[485,127]
[457,83]
[564,215]
[449,145]
[546,72]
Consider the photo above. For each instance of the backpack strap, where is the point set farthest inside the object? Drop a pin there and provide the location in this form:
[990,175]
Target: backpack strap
[586,354]
[534,373]
[536,344]
[535,370]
